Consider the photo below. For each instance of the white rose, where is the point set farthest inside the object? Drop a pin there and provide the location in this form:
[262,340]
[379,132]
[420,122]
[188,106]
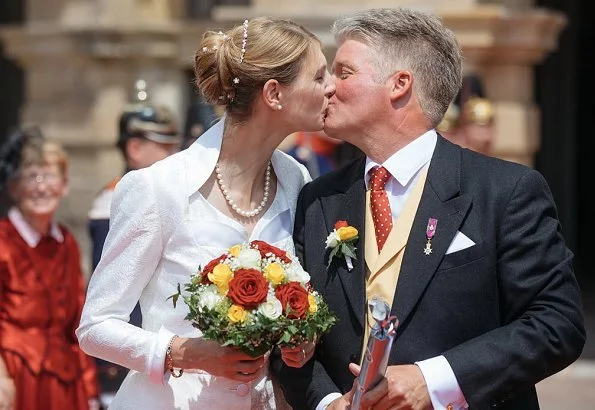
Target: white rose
[209,298]
[271,308]
[295,273]
[333,239]
[249,258]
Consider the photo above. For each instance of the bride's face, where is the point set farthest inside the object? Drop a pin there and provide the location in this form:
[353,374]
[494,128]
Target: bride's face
[306,101]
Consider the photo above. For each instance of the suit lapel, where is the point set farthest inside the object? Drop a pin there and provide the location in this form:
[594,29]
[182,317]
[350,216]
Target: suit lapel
[348,204]
[442,201]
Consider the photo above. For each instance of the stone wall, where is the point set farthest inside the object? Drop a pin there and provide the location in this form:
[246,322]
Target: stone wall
[82,58]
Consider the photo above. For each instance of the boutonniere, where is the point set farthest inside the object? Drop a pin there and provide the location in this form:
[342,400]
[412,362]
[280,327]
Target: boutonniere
[341,242]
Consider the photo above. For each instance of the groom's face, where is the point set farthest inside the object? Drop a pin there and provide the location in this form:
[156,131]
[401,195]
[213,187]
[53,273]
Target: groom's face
[359,99]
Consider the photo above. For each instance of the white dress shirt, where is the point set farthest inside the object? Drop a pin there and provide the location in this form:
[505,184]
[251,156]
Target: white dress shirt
[405,166]
[161,231]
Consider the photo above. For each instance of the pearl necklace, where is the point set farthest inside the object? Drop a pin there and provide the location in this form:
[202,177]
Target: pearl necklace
[232,204]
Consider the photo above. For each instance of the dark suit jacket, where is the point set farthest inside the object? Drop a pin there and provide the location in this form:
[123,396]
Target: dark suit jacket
[505,312]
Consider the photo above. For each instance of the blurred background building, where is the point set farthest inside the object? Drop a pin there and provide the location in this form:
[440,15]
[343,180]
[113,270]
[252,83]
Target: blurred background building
[70,66]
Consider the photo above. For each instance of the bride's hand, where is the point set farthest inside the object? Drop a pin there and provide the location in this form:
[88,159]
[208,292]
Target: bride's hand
[207,355]
[299,355]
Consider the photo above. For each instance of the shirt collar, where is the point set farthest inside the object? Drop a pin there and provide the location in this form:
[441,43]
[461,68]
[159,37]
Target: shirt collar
[30,235]
[404,164]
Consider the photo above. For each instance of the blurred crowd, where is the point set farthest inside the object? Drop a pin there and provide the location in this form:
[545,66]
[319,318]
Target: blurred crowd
[41,283]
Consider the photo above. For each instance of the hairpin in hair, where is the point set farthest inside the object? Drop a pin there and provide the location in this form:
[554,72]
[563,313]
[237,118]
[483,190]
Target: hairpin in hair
[209,50]
[244,39]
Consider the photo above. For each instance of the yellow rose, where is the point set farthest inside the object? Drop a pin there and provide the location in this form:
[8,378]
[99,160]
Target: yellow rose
[235,250]
[236,314]
[274,273]
[347,232]
[313,308]
[221,276]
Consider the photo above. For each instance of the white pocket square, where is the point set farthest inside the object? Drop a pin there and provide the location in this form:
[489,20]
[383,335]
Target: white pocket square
[460,242]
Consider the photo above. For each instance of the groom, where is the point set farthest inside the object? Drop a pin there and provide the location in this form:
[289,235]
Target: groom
[466,248]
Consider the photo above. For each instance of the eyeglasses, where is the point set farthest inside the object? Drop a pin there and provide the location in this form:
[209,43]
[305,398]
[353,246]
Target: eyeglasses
[32,180]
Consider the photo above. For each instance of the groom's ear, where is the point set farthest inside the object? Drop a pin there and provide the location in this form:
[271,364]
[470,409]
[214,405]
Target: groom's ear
[271,93]
[401,84]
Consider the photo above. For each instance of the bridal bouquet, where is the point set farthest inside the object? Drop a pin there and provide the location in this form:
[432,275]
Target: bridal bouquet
[255,296]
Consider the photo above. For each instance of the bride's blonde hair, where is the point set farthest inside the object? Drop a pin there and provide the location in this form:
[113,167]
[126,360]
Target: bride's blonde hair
[230,71]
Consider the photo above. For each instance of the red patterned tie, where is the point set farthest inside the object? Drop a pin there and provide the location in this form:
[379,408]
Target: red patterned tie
[380,207]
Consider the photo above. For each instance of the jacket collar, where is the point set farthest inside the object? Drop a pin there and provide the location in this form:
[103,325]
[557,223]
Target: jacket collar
[441,200]
[200,159]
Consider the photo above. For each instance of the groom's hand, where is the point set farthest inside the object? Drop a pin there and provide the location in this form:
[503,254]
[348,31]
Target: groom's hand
[342,403]
[403,387]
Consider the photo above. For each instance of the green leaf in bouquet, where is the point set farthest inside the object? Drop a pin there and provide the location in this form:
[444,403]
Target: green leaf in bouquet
[254,337]
[309,328]
[286,338]
[256,351]
[175,296]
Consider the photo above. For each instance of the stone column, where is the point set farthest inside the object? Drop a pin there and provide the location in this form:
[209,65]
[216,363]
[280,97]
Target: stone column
[503,46]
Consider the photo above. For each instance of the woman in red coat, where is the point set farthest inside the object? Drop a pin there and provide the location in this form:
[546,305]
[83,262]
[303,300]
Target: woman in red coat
[41,286]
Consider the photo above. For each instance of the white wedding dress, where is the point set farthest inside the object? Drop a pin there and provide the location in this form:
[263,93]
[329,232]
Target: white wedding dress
[162,230]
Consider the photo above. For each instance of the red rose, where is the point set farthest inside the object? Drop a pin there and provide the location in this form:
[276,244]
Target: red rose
[294,299]
[265,248]
[248,288]
[209,268]
[341,224]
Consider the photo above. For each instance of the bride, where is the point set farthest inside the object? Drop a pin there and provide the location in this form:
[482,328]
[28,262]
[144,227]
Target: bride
[229,187]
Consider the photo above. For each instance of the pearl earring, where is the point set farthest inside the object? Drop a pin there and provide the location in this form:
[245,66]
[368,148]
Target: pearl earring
[279,107]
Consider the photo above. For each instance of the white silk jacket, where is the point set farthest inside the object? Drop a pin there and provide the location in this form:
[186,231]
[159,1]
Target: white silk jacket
[161,231]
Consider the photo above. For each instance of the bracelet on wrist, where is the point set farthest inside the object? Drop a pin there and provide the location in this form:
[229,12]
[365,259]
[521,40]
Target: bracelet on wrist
[170,361]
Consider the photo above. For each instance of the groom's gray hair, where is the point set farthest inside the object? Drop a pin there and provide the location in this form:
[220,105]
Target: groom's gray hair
[406,39]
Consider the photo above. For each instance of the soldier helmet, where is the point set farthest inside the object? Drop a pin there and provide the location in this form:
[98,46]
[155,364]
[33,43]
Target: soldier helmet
[152,122]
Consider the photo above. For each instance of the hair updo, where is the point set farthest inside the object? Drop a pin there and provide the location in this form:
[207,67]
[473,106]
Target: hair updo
[226,75]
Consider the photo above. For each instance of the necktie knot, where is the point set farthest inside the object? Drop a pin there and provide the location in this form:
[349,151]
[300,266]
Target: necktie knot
[378,178]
